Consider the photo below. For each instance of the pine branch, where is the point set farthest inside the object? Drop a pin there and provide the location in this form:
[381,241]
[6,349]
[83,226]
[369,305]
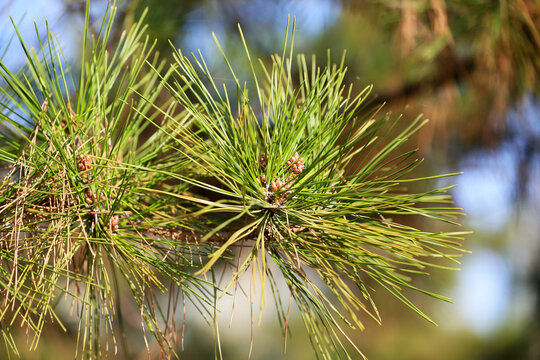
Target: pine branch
[112,184]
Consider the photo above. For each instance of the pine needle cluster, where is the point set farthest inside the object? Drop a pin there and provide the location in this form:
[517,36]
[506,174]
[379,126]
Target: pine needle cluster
[138,176]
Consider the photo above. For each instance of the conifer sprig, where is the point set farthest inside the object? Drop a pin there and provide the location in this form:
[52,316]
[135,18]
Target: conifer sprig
[319,179]
[112,185]
[77,216]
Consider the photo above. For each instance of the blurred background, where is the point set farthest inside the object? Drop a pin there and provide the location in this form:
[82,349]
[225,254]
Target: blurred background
[471,66]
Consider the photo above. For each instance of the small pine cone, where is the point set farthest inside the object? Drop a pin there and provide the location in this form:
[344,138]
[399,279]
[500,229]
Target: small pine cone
[262,178]
[293,159]
[89,197]
[298,166]
[276,185]
[113,224]
[83,162]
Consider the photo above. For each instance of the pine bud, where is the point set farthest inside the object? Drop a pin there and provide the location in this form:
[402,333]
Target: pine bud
[90,198]
[293,159]
[113,224]
[276,185]
[84,162]
[298,166]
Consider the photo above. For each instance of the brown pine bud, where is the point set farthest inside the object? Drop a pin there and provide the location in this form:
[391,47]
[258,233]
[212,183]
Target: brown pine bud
[90,198]
[292,159]
[298,166]
[276,185]
[113,223]
[84,162]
